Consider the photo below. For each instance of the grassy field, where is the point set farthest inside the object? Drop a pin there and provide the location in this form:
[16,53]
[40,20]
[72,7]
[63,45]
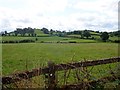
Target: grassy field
[16,56]
[8,38]
[48,39]
[113,38]
[26,56]
[40,33]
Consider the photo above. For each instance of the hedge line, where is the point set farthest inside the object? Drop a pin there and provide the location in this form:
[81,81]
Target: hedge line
[19,41]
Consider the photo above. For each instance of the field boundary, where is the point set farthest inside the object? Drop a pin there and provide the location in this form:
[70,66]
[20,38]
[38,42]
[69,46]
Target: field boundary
[52,68]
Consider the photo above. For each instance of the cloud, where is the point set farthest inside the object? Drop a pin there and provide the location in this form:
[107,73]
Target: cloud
[59,14]
[5,25]
[101,16]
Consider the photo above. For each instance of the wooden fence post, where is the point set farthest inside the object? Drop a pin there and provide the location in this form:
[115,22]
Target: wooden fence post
[51,76]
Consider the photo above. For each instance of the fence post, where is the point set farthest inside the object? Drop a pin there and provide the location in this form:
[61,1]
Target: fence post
[51,76]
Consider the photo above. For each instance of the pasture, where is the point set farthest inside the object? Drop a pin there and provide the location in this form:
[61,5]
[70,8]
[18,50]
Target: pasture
[8,38]
[19,57]
[48,39]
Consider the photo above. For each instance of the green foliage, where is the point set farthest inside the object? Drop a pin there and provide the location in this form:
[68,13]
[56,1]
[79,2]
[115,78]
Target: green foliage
[86,34]
[24,31]
[45,30]
[104,36]
[72,41]
[115,33]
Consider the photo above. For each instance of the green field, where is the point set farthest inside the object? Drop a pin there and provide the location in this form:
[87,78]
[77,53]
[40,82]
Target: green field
[16,56]
[48,39]
[113,38]
[40,33]
[8,38]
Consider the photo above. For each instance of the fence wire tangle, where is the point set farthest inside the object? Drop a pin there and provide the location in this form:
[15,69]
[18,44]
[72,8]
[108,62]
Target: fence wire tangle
[59,67]
[90,84]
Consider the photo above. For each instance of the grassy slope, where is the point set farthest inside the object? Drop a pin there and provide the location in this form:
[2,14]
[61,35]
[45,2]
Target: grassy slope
[94,33]
[40,33]
[113,38]
[62,39]
[15,55]
[97,36]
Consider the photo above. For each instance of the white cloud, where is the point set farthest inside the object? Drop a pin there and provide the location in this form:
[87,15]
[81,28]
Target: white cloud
[59,14]
[100,15]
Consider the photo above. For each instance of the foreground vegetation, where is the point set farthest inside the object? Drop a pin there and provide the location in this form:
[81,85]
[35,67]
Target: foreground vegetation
[16,56]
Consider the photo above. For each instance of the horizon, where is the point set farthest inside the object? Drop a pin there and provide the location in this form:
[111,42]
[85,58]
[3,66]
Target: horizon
[59,30]
[59,14]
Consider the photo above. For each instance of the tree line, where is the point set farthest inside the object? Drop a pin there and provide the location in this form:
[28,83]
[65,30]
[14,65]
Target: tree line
[19,31]
[83,33]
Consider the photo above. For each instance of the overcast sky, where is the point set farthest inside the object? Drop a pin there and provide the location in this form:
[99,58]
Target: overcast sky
[67,15]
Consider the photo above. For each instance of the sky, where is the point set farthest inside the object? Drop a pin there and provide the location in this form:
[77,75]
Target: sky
[64,15]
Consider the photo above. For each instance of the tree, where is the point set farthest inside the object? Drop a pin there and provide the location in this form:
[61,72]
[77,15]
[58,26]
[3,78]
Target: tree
[86,34]
[117,33]
[2,33]
[19,31]
[35,34]
[45,30]
[77,32]
[36,39]
[59,33]
[5,33]
[64,33]
[31,31]
[104,36]
[16,33]
[51,32]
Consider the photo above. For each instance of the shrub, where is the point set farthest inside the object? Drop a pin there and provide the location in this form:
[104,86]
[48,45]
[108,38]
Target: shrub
[36,39]
[58,41]
[26,41]
[72,42]
[42,41]
[92,38]
[16,41]
[11,41]
[21,41]
[117,41]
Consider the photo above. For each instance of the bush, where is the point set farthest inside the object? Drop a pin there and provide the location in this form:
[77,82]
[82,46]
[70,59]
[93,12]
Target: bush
[117,41]
[16,41]
[26,41]
[92,38]
[36,39]
[42,41]
[4,41]
[21,41]
[58,41]
[72,42]
[11,41]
